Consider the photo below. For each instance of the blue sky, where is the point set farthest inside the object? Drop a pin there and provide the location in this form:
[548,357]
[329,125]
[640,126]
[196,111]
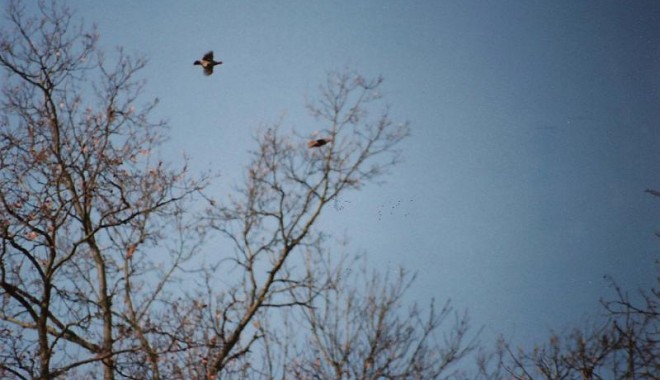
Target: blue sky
[535,131]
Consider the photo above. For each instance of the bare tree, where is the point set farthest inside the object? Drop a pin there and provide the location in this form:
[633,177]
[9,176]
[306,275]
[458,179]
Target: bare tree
[636,325]
[289,183]
[83,199]
[96,236]
[360,328]
[620,343]
[623,346]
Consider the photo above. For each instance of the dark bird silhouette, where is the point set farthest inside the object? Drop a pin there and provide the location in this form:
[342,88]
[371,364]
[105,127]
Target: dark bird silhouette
[207,63]
[319,142]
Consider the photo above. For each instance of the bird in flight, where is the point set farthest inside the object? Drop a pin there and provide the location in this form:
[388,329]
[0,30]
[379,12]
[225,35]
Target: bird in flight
[318,143]
[207,63]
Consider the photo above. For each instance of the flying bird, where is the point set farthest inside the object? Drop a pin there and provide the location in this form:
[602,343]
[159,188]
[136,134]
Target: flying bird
[319,142]
[207,63]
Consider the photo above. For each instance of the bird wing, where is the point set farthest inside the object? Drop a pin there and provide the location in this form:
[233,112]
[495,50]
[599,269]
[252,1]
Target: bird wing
[208,69]
[208,56]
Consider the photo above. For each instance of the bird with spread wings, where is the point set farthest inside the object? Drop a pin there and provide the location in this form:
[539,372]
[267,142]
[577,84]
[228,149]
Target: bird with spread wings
[207,63]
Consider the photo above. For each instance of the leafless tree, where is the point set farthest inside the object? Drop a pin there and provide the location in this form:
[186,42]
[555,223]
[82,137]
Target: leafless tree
[97,234]
[621,342]
[622,346]
[361,328]
[84,204]
[273,218]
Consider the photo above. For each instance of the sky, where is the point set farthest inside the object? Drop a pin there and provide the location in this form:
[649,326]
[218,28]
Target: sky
[534,133]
